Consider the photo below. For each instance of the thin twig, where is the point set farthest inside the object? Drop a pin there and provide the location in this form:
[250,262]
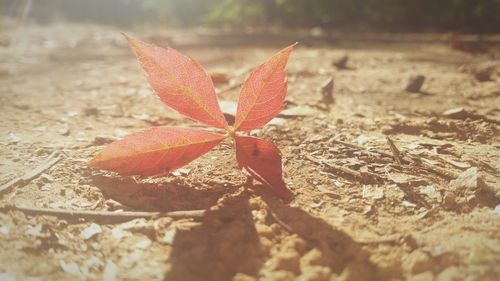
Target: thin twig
[29,176]
[372,151]
[102,215]
[365,177]
[279,221]
[417,161]
[426,165]
[442,172]
[394,150]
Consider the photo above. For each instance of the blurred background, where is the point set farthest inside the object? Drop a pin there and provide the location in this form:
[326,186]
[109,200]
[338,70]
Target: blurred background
[464,16]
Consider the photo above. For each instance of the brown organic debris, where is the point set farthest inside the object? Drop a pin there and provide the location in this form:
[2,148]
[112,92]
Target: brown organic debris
[341,62]
[102,215]
[327,91]
[29,176]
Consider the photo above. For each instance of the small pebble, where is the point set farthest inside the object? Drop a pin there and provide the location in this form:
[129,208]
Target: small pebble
[415,83]
[341,63]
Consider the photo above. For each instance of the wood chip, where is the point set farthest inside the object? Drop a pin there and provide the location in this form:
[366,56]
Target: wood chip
[89,232]
[228,107]
[431,192]
[4,230]
[373,192]
[469,180]
[299,111]
[460,165]
[118,233]
[169,236]
[277,121]
[70,268]
[143,244]
[327,91]
[110,272]
[101,140]
[35,231]
[13,138]
[219,77]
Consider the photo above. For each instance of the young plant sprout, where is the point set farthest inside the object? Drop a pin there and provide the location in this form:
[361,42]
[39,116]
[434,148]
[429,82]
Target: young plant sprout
[183,84]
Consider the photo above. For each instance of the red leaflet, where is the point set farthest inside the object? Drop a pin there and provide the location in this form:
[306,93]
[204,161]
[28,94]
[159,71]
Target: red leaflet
[180,82]
[263,93]
[155,151]
[262,160]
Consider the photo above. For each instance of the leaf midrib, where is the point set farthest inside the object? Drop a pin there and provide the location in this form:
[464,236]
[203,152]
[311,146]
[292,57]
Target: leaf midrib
[142,153]
[183,89]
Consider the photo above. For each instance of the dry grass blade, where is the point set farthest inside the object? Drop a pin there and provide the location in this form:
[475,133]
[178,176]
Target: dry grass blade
[30,175]
[364,177]
[395,151]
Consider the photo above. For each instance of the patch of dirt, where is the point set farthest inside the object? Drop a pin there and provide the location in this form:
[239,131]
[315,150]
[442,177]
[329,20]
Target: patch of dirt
[359,212]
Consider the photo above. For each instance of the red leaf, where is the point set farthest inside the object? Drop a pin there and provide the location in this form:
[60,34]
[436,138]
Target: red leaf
[262,160]
[180,82]
[263,93]
[155,151]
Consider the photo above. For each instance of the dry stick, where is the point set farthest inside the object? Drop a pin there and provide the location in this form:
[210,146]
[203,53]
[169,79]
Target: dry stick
[444,173]
[418,161]
[395,151]
[367,178]
[279,221]
[351,145]
[29,176]
[361,176]
[103,215]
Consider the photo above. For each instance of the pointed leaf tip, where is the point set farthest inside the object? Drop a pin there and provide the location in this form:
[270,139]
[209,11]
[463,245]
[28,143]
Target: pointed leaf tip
[180,82]
[262,160]
[263,93]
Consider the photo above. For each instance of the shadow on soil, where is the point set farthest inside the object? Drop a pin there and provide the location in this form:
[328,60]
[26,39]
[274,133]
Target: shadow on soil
[141,196]
[227,242]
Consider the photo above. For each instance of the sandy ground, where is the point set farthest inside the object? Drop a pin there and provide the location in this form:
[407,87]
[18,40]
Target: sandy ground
[357,213]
